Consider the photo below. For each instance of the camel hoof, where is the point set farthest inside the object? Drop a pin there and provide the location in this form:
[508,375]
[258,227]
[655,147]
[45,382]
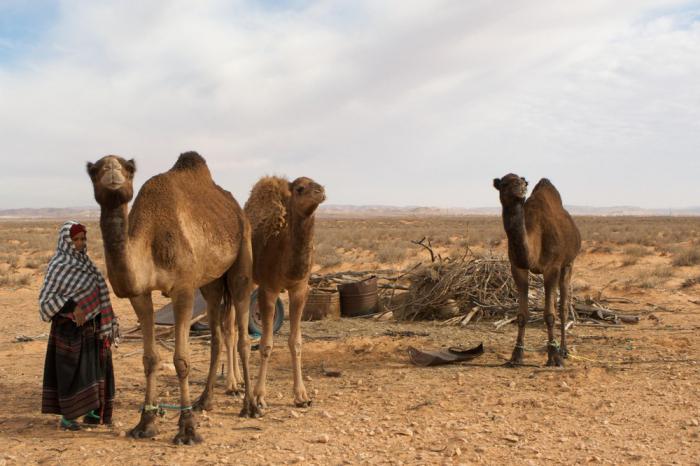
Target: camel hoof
[250,410]
[237,392]
[512,364]
[555,362]
[203,404]
[187,435]
[302,404]
[146,428]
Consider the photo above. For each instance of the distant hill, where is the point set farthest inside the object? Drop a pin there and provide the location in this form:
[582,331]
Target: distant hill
[336,210]
[340,210]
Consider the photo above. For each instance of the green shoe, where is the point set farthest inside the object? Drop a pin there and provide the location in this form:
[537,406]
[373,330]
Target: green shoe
[69,424]
[91,418]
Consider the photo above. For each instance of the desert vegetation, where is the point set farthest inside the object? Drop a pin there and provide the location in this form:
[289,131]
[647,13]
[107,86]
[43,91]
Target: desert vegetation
[642,252]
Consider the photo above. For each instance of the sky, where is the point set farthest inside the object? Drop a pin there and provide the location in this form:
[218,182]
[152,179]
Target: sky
[406,102]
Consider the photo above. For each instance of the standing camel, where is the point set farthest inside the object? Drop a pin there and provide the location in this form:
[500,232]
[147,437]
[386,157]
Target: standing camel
[542,239]
[183,232]
[282,215]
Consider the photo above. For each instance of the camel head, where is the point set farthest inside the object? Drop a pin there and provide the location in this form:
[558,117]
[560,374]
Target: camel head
[112,179]
[513,188]
[306,195]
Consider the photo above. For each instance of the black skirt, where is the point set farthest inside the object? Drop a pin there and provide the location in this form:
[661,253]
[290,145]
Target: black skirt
[78,372]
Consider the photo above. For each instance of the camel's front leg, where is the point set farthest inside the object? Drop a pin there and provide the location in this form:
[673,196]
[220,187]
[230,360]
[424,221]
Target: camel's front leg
[183,301]
[146,428]
[266,301]
[212,294]
[521,278]
[297,300]
[234,379]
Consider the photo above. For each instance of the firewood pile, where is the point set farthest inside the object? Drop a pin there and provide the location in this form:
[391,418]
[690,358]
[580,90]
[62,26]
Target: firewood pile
[457,291]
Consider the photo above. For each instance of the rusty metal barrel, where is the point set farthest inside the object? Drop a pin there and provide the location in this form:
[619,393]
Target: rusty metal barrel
[359,298]
[321,304]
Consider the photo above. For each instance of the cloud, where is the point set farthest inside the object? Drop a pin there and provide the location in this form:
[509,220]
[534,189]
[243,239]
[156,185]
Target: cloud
[412,102]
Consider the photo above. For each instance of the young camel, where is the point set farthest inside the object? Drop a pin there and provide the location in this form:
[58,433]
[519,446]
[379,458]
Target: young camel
[282,221]
[183,232]
[542,239]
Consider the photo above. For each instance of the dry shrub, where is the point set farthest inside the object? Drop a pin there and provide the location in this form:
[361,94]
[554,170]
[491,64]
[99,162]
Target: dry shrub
[662,271]
[326,255]
[687,257]
[690,282]
[629,260]
[391,253]
[636,251]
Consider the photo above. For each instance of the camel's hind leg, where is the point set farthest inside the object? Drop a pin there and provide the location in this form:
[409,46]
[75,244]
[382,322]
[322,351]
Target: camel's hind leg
[234,379]
[266,301]
[297,300]
[521,278]
[143,306]
[564,303]
[212,293]
[551,281]
[240,278]
[183,301]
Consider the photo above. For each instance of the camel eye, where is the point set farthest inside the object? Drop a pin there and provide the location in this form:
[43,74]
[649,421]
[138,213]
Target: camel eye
[300,189]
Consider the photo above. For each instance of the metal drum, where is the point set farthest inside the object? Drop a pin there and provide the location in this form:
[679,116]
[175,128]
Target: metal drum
[321,305]
[359,298]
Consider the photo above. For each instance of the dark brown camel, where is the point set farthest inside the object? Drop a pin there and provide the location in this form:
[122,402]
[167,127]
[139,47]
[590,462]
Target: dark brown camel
[183,232]
[542,239]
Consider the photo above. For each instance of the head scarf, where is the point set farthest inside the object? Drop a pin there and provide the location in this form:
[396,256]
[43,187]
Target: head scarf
[72,275]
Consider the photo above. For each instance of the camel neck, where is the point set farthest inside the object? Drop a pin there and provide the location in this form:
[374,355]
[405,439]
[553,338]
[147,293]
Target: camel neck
[115,226]
[301,230]
[514,224]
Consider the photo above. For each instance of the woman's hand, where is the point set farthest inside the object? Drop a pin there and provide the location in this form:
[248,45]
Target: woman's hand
[79,316]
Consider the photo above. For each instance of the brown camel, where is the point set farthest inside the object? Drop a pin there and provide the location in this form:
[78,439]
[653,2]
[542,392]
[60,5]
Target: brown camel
[282,215]
[183,232]
[542,239]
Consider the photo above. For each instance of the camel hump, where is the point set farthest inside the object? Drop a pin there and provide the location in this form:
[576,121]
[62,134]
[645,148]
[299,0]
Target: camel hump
[545,187]
[266,207]
[189,161]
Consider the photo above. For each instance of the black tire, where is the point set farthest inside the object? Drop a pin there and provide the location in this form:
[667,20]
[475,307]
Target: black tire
[254,321]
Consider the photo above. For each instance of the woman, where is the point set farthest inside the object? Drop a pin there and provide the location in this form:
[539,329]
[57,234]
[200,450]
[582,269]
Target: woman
[78,373]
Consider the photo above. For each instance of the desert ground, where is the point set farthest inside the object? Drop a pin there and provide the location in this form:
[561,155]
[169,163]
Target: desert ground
[629,394]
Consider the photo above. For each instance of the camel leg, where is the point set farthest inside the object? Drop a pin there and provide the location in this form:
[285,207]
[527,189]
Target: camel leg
[297,300]
[551,279]
[143,306]
[521,278]
[266,301]
[212,294]
[234,379]
[240,278]
[183,301]
[564,303]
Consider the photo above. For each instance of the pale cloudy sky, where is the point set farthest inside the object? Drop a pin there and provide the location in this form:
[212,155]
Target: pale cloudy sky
[406,102]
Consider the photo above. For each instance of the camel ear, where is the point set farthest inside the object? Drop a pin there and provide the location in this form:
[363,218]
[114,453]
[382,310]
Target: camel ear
[497,183]
[130,166]
[92,170]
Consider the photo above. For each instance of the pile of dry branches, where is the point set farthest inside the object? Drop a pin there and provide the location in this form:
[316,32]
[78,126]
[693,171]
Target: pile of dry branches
[482,286]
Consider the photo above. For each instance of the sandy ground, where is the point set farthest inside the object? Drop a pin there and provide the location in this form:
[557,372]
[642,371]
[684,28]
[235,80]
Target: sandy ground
[631,395]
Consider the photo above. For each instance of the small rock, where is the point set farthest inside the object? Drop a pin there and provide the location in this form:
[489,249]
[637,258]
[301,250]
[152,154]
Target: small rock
[122,433]
[323,438]
[479,449]
[294,414]
[511,438]
[693,422]
[307,378]
[359,382]
[326,414]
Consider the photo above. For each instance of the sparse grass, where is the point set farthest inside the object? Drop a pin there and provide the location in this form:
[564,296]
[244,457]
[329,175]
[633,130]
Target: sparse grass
[629,260]
[326,255]
[636,251]
[662,271]
[686,257]
[391,254]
